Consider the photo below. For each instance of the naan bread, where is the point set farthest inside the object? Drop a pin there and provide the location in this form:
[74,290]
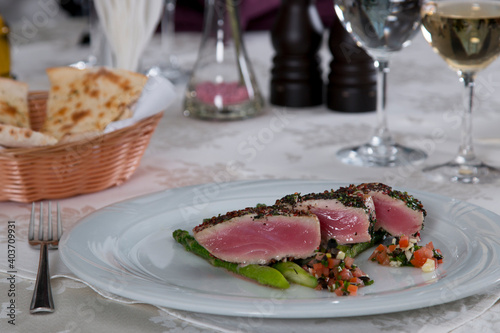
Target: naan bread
[14,103]
[17,137]
[88,100]
[74,137]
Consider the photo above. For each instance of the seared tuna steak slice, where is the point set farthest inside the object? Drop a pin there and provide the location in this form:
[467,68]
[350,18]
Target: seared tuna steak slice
[398,213]
[259,235]
[344,217]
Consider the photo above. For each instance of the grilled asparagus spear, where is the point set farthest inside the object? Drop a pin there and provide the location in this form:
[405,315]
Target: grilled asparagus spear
[296,274]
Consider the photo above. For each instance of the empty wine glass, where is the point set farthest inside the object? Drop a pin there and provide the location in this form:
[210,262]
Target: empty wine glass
[466,34]
[100,51]
[169,67]
[381,27]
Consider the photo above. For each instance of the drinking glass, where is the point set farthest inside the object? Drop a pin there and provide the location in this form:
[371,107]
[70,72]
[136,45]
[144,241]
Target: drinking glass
[222,85]
[381,27]
[169,67]
[100,51]
[466,34]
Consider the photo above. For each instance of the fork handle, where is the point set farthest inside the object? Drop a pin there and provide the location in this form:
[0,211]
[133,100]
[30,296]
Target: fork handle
[42,295]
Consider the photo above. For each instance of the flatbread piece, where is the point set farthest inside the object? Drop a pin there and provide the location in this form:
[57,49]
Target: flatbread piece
[88,100]
[14,103]
[18,137]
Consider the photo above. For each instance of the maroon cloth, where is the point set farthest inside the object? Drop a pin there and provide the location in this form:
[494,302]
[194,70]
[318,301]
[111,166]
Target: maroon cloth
[254,14]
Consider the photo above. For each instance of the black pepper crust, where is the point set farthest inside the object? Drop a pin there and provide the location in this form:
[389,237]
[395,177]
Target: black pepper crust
[344,195]
[350,196]
[261,212]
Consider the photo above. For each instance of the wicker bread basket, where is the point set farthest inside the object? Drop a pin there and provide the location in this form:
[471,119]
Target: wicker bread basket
[64,170]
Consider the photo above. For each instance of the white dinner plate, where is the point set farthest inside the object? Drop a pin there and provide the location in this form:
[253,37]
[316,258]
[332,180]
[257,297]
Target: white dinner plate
[127,249]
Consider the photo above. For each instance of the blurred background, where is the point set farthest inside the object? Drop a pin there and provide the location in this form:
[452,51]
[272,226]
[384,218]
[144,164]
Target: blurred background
[255,14]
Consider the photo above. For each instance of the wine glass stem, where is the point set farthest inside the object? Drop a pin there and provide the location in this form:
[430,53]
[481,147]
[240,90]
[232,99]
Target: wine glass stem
[382,135]
[168,30]
[466,151]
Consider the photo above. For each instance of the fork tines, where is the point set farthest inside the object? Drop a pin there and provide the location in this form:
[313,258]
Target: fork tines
[42,301]
[41,229]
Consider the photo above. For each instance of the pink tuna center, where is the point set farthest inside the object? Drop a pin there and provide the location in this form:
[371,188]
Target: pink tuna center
[345,226]
[257,242]
[397,219]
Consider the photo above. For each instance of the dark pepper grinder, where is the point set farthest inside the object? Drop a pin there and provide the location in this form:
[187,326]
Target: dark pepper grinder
[296,37]
[352,81]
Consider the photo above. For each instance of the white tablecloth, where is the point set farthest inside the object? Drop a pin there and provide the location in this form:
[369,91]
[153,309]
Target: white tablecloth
[424,103]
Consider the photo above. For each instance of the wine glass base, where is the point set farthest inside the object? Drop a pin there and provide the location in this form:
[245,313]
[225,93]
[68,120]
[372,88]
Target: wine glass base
[462,173]
[381,156]
[82,64]
[173,74]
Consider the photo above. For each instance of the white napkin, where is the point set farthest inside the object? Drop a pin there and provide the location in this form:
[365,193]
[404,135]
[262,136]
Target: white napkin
[128,26]
[157,95]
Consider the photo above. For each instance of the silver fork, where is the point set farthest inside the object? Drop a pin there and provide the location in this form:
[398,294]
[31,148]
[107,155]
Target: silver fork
[42,295]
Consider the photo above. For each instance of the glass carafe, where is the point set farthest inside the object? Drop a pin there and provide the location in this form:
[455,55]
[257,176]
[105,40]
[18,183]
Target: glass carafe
[222,85]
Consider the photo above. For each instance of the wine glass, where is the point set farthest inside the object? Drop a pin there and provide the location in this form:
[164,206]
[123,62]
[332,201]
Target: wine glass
[169,67]
[381,27]
[100,51]
[466,34]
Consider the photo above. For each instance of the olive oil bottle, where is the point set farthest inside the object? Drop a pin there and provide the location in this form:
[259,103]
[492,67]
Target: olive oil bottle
[4,49]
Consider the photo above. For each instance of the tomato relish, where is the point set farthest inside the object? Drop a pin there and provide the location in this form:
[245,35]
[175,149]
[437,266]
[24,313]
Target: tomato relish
[337,273]
[404,251]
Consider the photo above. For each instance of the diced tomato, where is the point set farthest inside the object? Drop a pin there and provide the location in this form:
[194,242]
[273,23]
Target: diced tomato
[430,246]
[380,248]
[420,256]
[332,263]
[357,272]
[318,267]
[391,247]
[335,273]
[383,258]
[352,289]
[356,281]
[345,274]
[320,270]
[417,263]
[427,252]
[339,292]
[348,262]
[404,241]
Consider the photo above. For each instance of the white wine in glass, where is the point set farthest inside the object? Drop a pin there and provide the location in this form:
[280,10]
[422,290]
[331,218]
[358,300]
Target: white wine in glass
[466,34]
[381,27]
